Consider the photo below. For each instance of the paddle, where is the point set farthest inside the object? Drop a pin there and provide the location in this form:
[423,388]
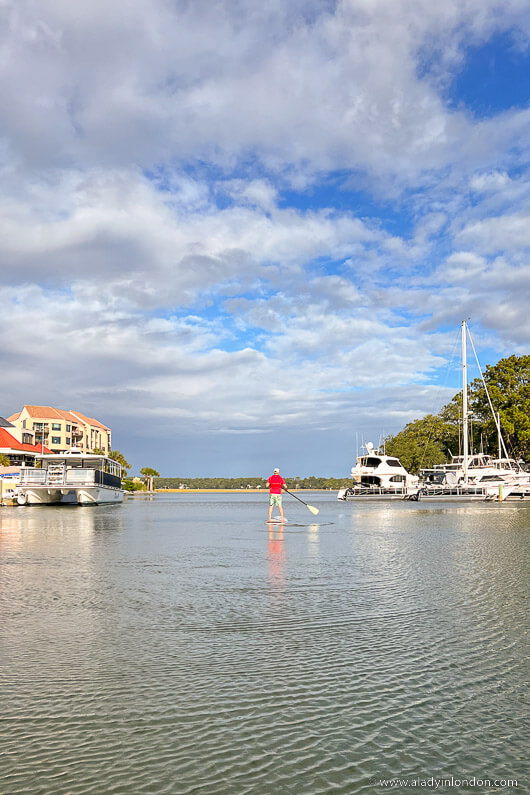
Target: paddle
[311,507]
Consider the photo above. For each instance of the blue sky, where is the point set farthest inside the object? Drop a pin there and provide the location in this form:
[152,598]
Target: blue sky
[246,236]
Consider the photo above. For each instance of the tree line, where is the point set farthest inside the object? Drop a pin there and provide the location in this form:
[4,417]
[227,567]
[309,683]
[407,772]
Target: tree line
[433,438]
[248,483]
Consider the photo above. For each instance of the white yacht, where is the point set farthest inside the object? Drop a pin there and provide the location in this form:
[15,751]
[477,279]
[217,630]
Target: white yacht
[486,477]
[379,476]
[481,469]
[71,478]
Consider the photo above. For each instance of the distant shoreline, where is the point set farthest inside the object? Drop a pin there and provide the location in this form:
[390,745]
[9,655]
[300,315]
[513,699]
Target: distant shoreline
[221,491]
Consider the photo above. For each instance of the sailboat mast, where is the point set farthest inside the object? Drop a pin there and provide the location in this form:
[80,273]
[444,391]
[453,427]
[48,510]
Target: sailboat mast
[464,400]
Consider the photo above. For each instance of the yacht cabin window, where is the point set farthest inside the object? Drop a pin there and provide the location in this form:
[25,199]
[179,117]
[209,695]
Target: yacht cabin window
[370,461]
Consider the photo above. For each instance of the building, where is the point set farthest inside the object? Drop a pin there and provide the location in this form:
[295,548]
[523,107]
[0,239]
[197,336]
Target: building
[19,451]
[60,430]
[22,436]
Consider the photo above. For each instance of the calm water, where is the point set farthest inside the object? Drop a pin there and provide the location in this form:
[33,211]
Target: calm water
[174,645]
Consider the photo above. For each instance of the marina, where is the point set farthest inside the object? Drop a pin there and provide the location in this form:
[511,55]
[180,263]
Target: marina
[466,477]
[177,645]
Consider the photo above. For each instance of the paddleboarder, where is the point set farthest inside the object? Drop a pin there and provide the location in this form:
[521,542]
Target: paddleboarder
[276,483]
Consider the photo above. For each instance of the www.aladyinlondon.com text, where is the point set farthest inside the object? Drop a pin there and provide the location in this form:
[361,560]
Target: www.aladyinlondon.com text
[447,782]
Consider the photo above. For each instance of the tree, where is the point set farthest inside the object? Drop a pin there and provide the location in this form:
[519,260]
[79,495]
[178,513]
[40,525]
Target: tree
[4,461]
[130,485]
[430,440]
[422,443]
[508,384]
[149,474]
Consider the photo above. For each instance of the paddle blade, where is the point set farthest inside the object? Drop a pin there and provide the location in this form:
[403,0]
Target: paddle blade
[313,509]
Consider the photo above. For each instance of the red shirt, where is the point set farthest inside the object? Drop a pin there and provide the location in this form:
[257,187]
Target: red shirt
[275,483]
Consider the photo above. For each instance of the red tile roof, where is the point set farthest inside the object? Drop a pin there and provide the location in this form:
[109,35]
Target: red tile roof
[90,420]
[50,413]
[9,442]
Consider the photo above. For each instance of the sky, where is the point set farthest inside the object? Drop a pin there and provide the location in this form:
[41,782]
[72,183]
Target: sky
[244,235]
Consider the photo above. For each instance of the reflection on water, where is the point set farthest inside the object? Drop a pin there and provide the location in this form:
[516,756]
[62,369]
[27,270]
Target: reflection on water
[276,556]
[178,645]
[313,540]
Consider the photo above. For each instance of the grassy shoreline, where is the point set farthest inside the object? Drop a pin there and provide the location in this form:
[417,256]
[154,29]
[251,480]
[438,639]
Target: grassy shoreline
[225,491]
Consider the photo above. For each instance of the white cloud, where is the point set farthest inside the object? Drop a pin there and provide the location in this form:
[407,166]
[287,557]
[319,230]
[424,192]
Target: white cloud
[493,235]
[493,181]
[116,226]
[314,86]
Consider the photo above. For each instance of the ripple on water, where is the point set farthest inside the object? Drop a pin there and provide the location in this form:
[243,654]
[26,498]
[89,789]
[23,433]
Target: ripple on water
[180,662]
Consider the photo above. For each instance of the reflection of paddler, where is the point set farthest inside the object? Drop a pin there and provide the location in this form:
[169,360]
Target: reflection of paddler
[275,484]
[276,554]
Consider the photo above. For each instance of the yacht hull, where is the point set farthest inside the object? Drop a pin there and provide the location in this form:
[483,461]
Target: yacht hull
[489,494]
[87,495]
[366,494]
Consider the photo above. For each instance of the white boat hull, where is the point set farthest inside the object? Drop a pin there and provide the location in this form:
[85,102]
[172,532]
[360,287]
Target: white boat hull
[87,495]
[490,494]
[444,494]
[365,493]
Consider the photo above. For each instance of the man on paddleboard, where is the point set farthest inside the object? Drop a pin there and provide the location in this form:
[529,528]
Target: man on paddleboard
[276,484]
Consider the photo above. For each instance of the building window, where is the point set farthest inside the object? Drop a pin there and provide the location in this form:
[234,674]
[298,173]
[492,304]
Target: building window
[56,440]
[67,440]
[67,429]
[56,426]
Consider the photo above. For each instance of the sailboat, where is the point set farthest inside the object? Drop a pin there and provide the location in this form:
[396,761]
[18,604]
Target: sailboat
[476,476]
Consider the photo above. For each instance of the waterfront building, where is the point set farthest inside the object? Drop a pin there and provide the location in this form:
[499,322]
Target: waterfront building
[60,430]
[21,435]
[16,447]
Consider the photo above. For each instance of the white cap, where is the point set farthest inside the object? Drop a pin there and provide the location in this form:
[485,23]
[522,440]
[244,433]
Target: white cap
[276,470]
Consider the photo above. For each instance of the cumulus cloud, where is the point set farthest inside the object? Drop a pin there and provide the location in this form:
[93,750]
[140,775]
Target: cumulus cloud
[303,86]
[493,235]
[117,225]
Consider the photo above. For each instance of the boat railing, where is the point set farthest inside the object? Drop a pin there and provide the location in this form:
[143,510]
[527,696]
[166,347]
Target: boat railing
[369,489]
[30,475]
[78,477]
[69,476]
[50,477]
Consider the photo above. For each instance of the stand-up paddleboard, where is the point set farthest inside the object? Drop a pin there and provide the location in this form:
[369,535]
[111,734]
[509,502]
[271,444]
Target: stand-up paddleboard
[276,520]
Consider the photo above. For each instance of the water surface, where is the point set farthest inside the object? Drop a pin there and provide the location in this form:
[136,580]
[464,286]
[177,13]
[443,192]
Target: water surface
[176,645]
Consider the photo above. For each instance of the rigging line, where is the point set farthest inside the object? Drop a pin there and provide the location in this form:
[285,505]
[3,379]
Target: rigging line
[497,422]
